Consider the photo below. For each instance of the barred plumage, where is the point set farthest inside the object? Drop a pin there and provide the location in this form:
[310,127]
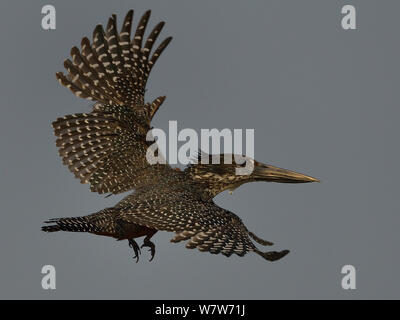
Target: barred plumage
[107,149]
[113,69]
[104,144]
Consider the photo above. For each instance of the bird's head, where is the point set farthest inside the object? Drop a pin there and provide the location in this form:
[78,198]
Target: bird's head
[227,172]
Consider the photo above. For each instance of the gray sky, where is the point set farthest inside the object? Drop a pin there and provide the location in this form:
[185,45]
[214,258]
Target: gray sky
[322,100]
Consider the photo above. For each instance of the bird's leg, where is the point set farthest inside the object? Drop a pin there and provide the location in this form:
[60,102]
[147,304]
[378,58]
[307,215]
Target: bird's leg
[148,243]
[272,255]
[133,244]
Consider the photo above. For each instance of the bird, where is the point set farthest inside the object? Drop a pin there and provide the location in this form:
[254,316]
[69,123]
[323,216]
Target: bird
[106,148]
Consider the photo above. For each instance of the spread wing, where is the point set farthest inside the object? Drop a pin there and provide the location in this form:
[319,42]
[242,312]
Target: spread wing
[114,69]
[107,147]
[205,225]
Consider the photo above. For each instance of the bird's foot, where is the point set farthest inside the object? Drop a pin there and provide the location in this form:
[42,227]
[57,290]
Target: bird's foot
[148,243]
[273,255]
[136,249]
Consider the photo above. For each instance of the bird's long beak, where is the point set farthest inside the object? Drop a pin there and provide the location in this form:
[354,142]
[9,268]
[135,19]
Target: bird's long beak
[266,172]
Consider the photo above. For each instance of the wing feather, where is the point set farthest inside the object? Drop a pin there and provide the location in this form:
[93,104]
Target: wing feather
[106,148]
[204,225]
[114,68]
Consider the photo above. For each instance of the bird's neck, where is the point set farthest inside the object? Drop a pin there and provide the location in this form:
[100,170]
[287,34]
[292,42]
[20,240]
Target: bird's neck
[211,185]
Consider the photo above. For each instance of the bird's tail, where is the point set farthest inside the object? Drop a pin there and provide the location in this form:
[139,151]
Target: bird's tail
[76,224]
[101,222]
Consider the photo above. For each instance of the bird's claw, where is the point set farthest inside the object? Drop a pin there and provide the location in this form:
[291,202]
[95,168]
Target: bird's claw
[148,243]
[136,249]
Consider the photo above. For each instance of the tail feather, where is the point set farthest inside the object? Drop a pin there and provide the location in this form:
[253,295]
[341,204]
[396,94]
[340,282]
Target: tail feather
[76,224]
[52,228]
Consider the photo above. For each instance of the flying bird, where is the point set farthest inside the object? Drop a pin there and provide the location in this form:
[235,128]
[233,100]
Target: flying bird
[106,149]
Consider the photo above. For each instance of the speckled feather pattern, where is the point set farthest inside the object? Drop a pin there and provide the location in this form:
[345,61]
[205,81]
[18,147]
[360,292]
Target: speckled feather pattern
[106,148]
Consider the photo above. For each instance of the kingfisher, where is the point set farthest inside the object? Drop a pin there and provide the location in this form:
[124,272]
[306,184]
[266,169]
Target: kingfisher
[106,148]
